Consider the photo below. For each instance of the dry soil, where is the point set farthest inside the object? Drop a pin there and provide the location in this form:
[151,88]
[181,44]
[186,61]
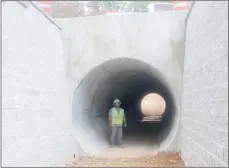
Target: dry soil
[121,157]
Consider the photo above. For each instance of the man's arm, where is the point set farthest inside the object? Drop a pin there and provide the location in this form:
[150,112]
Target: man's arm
[109,117]
[124,119]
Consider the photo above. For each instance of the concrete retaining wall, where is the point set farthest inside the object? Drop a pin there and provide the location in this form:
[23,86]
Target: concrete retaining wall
[36,119]
[204,125]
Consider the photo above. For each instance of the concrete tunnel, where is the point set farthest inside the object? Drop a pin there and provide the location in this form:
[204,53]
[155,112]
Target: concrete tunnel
[104,75]
[55,101]
[128,80]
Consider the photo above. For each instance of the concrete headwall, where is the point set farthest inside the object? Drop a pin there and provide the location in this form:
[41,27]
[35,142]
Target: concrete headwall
[154,38]
[204,125]
[36,119]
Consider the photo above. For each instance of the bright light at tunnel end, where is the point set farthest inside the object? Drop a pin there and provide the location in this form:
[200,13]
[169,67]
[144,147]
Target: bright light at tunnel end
[152,107]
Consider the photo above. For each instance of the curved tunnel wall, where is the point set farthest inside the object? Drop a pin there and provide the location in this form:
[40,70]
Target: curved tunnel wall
[129,80]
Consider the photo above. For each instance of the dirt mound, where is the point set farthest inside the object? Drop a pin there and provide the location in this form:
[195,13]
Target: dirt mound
[161,159]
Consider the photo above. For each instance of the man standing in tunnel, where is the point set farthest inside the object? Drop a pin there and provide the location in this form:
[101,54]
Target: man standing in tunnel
[116,119]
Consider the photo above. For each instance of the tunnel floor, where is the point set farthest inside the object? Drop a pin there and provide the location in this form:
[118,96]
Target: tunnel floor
[140,139]
[130,158]
[141,143]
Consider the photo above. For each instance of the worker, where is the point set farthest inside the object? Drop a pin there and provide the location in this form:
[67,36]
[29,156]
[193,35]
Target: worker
[116,119]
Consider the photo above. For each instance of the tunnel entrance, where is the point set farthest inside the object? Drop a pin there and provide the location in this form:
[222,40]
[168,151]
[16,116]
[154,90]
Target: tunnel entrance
[128,80]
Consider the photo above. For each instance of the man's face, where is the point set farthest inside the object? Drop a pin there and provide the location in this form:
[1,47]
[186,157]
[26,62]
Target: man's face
[117,105]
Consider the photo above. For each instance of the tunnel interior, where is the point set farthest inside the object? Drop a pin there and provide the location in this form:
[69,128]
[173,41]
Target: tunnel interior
[128,80]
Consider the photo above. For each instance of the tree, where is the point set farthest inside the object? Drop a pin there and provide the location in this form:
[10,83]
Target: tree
[67,9]
[109,6]
[140,6]
[80,8]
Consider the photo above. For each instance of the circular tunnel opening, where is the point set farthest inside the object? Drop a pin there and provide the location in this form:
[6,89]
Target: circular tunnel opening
[128,80]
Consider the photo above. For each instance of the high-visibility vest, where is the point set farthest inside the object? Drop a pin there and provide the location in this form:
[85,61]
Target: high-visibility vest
[117,117]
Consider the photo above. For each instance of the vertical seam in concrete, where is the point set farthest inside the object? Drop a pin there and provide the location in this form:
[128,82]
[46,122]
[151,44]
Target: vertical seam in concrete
[186,23]
[185,33]
[189,11]
[187,17]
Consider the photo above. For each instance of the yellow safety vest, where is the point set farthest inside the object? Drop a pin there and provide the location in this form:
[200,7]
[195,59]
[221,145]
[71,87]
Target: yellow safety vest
[117,117]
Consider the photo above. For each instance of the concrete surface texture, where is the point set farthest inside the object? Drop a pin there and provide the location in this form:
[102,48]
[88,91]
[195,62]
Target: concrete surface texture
[204,125]
[58,86]
[36,122]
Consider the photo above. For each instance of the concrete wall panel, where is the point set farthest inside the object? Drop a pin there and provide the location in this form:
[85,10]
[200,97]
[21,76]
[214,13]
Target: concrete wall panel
[36,118]
[155,38]
[204,126]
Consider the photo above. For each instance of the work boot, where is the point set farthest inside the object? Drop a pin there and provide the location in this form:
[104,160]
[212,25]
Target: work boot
[112,146]
[121,146]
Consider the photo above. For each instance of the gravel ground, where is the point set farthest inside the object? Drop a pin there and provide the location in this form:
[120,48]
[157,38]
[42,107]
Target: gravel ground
[125,158]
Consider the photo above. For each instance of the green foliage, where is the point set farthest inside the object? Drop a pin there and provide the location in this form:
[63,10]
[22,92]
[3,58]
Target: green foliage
[119,6]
